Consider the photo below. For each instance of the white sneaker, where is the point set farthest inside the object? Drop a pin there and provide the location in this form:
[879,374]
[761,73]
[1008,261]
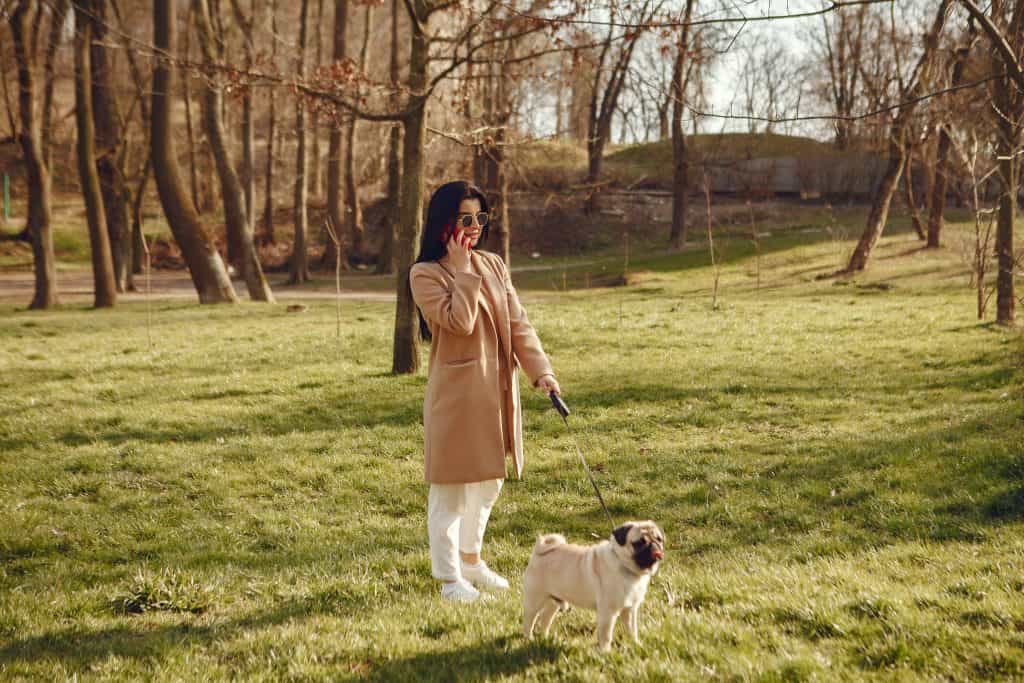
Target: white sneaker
[459,591]
[481,576]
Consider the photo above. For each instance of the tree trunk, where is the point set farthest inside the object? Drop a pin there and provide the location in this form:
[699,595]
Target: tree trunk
[680,149]
[246,172]
[1007,141]
[36,174]
[104,286]
[908,193]
[386,260]
[880,204]
[334,159]
[897,147]
[680,187]
[492,173]
[603,104]
[246,176]
[316,181]
[353,208]
[8,107]
[406,358]
[135,248]
[235,216]
[385,263]
[299,267]
[496,187]
[268,191]
[938,204]
[60,13]
[107,121]
[138,248]
[186,80]
[664,130]
[204,263]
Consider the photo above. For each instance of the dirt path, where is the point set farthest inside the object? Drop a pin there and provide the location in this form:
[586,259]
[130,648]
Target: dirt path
[76,286]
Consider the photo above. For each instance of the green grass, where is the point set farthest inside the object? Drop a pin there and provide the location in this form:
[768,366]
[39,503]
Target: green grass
[839,469]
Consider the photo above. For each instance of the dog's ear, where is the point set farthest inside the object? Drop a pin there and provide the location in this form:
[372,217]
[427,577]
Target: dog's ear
[622,533]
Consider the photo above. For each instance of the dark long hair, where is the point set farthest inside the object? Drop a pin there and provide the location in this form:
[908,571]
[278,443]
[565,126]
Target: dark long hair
[441,213]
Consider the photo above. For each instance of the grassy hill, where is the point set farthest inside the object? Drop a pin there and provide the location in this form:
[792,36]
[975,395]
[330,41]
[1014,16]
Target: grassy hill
[556,165]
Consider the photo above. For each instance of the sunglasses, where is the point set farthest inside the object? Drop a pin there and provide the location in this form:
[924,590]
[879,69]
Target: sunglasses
[465,220]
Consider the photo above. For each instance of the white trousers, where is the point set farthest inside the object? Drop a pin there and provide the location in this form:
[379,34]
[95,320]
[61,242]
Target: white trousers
[457,516]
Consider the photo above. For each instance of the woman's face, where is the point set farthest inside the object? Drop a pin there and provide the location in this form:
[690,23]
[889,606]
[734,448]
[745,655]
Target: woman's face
[469,207]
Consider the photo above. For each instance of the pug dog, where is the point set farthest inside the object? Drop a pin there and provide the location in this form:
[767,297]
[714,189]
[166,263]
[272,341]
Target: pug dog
[610,577]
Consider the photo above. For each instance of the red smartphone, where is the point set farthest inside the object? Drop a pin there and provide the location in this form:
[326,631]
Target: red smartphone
[447,234]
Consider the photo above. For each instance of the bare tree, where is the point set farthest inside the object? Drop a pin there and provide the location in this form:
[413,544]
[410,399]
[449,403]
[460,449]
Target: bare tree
[110,143]
[614,58]
[681,69]
[268,176]
[37,175]
[353,208]
[914,145]
[204,263]
[840,46]
[334,158]
[60,12]
[978,252]
[299,265]
[1003,25]
[138,247]
[770,86]
[232,194]
[910,91]
[490,166]
[385,263]
[104,287]
[186,79]
[940,186]
[316,181]
[246,172]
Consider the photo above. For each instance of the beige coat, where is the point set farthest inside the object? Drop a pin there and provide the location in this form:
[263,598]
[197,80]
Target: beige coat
[471,413]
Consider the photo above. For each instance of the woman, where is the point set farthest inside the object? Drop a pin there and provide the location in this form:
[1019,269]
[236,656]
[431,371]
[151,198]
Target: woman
[479,335]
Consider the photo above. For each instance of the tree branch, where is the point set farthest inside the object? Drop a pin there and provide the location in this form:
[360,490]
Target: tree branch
[998,41]
[832,6]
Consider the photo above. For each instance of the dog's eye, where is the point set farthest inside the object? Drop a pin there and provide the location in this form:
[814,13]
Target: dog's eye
[638,544]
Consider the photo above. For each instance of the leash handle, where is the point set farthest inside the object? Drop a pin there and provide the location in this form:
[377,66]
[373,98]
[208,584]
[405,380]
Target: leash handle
[559,405]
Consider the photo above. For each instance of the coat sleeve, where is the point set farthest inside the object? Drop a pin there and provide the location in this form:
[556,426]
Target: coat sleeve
[455,308]
[525,342]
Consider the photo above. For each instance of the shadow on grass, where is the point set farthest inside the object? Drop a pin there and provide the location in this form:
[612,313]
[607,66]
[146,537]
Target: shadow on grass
[137,638]
[79,648]
[729,250]
[484,661]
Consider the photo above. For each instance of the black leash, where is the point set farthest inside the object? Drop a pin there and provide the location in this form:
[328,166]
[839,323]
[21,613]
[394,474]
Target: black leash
[563,410]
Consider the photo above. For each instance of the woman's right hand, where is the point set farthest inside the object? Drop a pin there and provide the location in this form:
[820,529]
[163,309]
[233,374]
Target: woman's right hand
[458,251]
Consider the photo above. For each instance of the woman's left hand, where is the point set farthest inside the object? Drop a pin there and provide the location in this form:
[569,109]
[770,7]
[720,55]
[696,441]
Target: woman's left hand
[547,384]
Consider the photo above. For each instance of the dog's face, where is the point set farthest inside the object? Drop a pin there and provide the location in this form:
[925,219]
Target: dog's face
[640,545]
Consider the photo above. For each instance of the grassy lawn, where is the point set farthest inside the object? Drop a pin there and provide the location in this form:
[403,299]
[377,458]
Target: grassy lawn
[839,469]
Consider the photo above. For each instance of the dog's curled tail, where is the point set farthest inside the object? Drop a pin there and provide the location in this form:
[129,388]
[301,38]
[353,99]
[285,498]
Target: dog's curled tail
[547,543]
